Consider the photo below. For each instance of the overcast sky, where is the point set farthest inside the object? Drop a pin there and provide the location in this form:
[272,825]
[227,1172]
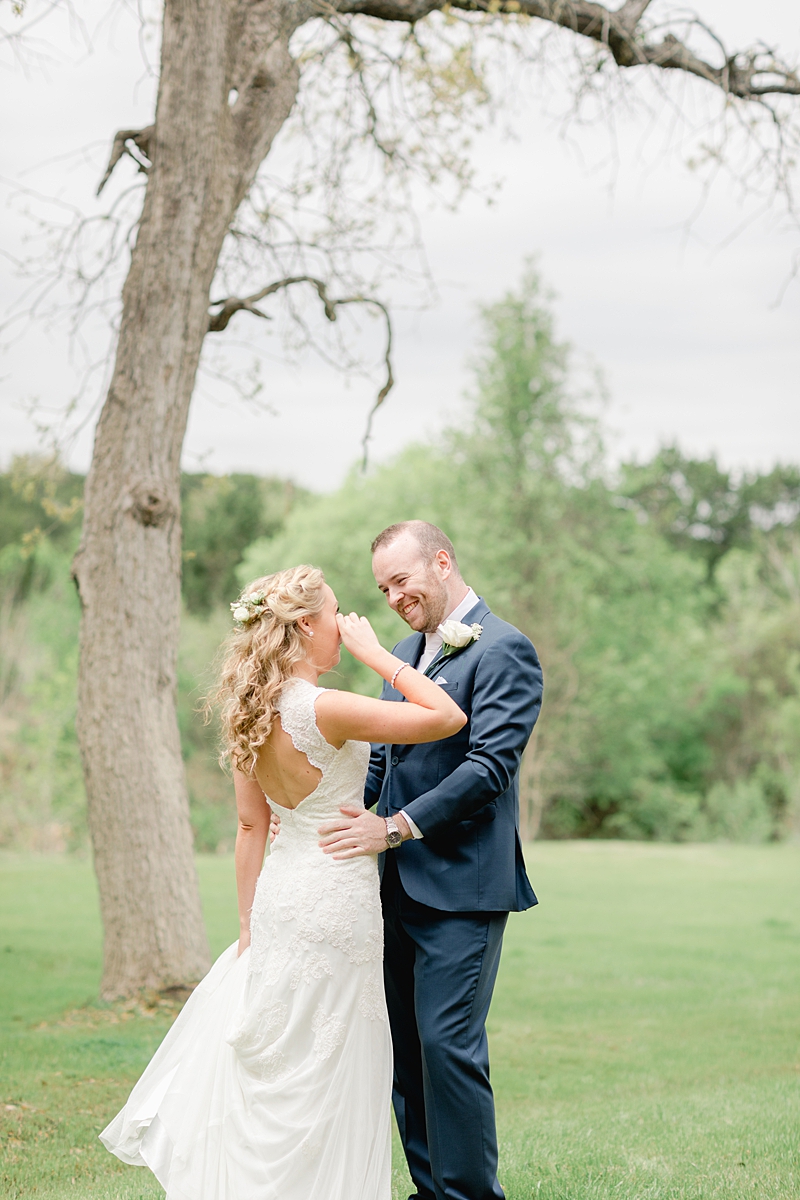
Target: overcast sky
[686,331]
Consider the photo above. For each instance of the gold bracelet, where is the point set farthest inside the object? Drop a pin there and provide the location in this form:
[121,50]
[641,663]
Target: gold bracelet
[397,672]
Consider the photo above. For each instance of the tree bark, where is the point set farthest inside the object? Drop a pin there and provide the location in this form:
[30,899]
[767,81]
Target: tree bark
[204,153]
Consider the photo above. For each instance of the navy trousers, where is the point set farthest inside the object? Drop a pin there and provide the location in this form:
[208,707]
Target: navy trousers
[440,970]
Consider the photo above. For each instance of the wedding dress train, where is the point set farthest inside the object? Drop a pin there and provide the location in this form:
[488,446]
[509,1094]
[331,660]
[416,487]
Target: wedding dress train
[274,1083]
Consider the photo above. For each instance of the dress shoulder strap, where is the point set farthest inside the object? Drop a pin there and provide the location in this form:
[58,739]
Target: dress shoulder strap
[299,719]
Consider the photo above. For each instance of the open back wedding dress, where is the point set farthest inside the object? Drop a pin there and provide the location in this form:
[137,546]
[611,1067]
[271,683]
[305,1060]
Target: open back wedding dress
[274,1083]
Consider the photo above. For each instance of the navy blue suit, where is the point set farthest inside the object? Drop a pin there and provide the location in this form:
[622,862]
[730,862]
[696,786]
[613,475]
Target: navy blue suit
[446,900]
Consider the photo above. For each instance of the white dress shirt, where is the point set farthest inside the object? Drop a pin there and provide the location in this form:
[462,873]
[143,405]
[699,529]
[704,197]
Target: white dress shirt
[433,644]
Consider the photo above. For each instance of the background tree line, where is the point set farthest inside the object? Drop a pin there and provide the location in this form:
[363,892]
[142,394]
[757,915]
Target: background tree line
[664,598]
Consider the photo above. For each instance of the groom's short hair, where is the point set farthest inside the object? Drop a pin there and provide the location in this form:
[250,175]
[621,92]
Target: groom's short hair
[430,539]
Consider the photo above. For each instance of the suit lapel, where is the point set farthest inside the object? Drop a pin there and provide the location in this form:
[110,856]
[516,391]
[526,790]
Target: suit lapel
[436,663]
[441,659]
[413,652]
[477,612]
[416,650]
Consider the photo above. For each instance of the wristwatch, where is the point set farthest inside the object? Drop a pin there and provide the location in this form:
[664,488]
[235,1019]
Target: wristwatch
[394,837]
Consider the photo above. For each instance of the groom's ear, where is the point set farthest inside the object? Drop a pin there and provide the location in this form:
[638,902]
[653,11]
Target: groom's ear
[445,563]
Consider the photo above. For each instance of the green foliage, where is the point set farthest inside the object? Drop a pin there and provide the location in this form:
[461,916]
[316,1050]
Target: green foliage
[708,511]
[221,515]
[39,499]
[668,698]
[41,789]
[642,1035]
[211,800]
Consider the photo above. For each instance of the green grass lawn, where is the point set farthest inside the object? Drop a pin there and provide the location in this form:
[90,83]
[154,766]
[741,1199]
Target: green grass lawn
[644,1032]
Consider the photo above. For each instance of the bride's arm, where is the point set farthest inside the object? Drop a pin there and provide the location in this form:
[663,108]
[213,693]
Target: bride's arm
[429,715]
[251,844]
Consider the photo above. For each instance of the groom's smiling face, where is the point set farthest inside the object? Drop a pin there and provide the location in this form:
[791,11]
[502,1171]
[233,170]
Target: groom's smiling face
[416,590]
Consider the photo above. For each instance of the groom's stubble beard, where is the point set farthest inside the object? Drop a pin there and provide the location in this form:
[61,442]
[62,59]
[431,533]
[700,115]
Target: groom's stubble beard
[434,603]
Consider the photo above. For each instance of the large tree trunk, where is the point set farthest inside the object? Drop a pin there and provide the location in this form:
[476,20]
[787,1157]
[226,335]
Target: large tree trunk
[205,153]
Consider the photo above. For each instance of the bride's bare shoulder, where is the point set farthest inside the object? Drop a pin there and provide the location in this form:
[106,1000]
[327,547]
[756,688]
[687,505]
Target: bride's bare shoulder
[334,700]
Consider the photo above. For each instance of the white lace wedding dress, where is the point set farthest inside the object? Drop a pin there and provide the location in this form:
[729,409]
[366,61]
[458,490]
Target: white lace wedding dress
[274,1083]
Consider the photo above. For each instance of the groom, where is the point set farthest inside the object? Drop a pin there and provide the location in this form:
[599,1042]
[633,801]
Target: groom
[448,887]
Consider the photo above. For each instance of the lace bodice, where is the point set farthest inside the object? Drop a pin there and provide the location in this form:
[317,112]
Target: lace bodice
[343,771]
[297,707]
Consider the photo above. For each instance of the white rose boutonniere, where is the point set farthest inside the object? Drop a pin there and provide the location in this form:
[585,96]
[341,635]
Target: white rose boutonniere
[456,636]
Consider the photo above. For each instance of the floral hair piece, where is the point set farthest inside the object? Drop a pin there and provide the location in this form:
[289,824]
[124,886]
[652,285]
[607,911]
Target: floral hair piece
[247,608]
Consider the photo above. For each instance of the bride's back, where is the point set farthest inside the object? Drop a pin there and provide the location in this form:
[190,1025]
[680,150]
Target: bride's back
[283,772]
[302,773]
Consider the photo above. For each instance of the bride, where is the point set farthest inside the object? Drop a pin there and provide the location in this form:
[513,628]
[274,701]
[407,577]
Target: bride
[274,1083]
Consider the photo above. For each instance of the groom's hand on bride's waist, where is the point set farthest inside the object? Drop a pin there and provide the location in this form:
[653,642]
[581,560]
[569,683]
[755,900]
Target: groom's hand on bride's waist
[274,826]
[357,832]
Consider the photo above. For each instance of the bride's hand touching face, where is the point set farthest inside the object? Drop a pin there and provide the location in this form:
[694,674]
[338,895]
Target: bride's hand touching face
[358,636]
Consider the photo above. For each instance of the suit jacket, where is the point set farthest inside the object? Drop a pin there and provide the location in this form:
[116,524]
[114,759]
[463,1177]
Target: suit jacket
[462,792]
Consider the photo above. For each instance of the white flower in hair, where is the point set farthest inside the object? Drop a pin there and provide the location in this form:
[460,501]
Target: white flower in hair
[456,635]
[247,608]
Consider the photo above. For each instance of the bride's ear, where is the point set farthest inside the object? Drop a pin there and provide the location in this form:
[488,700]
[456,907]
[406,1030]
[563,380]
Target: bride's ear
[304,625]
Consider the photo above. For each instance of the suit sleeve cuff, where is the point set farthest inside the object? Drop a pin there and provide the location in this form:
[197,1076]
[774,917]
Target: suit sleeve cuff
[416,832]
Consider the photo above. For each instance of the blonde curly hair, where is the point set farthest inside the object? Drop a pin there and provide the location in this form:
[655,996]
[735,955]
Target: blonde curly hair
[260,656]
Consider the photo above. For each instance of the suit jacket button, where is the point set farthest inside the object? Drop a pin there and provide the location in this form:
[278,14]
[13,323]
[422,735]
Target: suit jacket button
[395,760]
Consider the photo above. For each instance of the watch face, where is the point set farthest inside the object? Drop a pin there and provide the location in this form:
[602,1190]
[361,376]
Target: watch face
[394,837]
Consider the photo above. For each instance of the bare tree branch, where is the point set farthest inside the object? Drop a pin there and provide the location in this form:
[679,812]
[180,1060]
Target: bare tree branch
[141,139]
[632,11]
[219,321]
[233,304]
[629,43]
[384,392]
